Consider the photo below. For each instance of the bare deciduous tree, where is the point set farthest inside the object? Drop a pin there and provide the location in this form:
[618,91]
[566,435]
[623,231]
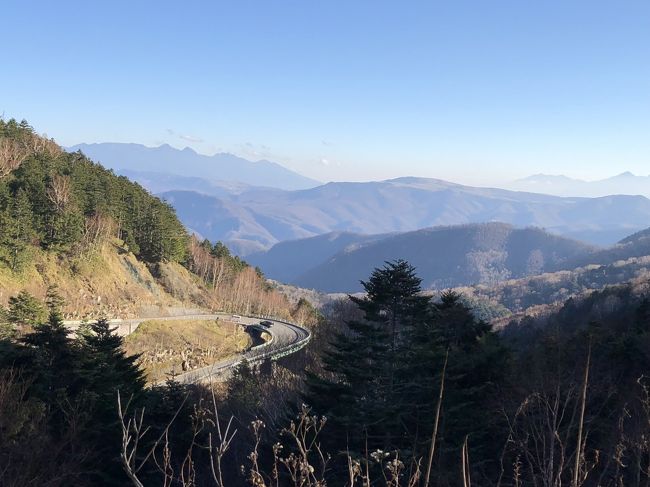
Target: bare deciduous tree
[59,192]
[12,155]
[97,228]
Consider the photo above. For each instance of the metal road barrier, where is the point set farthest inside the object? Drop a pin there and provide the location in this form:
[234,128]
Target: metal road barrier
[280,345]
[271,350]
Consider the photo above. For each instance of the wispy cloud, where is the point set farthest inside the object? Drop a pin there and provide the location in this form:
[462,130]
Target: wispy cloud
[191,138]
[188,138]
[324,161]
[254,151]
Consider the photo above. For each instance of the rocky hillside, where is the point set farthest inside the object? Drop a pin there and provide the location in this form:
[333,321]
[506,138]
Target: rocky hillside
[110,246]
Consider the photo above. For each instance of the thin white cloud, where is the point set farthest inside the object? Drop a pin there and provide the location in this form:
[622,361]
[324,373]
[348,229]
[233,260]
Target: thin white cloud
[324,161]
[191,138]
[188,138]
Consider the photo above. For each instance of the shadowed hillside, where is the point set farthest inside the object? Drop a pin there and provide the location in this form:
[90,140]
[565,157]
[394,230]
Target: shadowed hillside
[286,261]
[450,256]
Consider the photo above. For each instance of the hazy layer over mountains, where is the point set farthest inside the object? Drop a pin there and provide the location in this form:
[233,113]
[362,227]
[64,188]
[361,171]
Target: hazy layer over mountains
[625,183]
[325,236]
[259,218]
[466,255]
[188,163]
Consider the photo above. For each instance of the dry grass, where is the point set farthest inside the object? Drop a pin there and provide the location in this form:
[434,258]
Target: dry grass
[108,282]
[167,345]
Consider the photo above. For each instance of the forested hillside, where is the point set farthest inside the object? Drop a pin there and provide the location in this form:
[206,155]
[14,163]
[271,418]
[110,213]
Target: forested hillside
[635,245]
[450,256]
[539,295]
[533,294]
[110,245]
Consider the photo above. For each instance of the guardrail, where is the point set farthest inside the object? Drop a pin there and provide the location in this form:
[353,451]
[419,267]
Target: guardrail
[209,371]
[253,355]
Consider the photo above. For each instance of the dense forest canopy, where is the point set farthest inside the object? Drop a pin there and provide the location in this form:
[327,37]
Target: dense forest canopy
[65,202]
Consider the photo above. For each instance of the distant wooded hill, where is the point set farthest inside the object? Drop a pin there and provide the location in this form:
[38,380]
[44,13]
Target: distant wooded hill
[444,256]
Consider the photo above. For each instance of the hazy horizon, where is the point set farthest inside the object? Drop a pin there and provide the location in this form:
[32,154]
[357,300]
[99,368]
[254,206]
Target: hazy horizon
[503,182]
[466,92]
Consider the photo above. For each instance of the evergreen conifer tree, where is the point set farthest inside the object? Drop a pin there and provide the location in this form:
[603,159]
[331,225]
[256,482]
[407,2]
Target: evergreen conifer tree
[16,232]
[107,369]
[364,396]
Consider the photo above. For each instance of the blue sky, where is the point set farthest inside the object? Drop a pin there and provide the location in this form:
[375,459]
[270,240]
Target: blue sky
[471,91]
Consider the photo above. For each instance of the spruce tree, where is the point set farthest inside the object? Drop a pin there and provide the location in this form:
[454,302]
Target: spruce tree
[107,369]
[364,396]
[110,367]
[244,396]
[17,232]
[25,310]
[476,366]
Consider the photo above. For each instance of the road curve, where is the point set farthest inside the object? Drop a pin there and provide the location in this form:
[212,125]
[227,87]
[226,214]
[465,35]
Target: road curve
[286,338]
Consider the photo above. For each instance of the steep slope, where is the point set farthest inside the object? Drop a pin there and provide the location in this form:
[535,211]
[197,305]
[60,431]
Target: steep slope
[186,162]
[409,204]
[449,256]
[110,246]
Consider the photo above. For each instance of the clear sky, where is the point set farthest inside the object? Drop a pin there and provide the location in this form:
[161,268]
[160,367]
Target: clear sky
[471,91]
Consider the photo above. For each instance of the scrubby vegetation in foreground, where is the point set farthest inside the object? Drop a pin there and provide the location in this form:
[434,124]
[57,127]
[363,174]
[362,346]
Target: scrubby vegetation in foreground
[400,390]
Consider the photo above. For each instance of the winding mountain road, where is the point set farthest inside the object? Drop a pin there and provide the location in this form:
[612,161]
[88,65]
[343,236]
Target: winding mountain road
[286,338]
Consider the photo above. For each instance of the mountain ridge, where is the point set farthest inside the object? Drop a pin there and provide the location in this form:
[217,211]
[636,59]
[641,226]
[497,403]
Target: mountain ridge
[560,185]
[265,217]
[188,162]
[449,256]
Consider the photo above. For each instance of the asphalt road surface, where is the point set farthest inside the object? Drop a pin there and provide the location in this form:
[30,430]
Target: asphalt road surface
[286,338]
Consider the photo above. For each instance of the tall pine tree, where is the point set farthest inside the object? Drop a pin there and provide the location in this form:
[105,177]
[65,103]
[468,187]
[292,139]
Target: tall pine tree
[363,397]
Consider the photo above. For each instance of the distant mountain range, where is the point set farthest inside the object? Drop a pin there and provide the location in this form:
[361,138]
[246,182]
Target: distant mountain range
[625,183]
[188,163]
[444,256]
[257,219]
[299,231]
[160,182]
